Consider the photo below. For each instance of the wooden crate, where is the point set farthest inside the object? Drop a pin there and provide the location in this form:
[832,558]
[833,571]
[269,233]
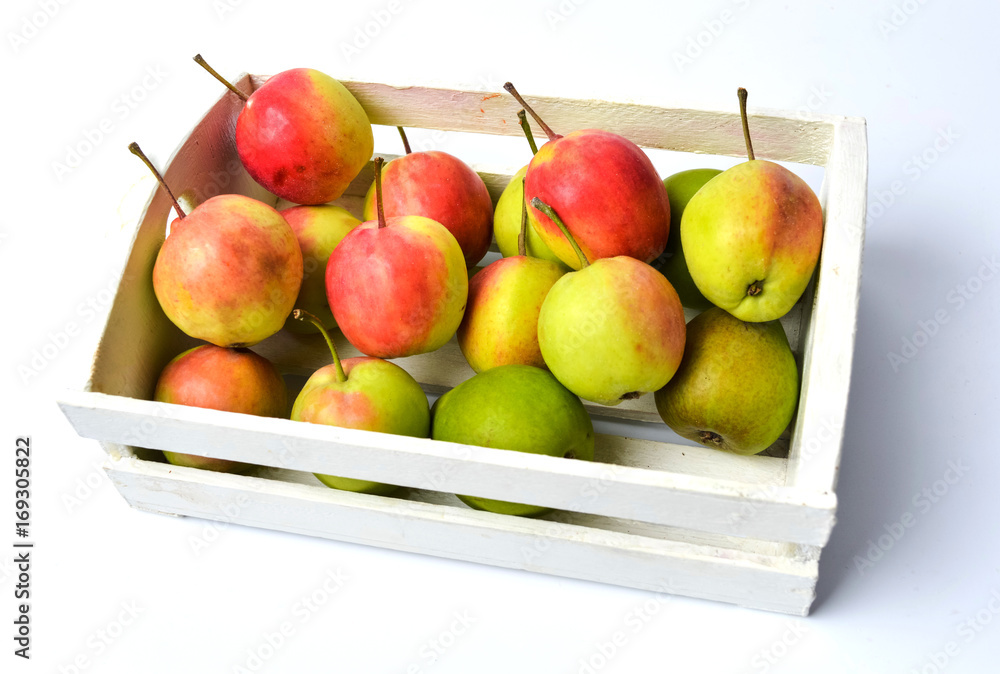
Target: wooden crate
[653,515]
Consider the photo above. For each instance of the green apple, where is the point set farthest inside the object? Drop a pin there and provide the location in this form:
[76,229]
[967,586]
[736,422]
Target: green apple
[507,224]
[680,188]
[737,386]
[519,408]
[613,330]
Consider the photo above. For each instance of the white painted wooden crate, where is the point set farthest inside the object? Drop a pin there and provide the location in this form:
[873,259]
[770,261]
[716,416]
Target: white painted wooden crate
[652,515]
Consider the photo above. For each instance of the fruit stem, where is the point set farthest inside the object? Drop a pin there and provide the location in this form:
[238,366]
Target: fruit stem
[406,143]
[204,64]
[522,245]
[742,94]
[378,191]
[302,315]
[523,118]
[551,213]
[134,149]
[545,127]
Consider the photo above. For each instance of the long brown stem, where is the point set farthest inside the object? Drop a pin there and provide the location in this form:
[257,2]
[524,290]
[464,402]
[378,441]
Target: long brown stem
[523,118]
[742,94]
[406,143]
[378,191]
[204,64]
[545,127]
[522,244]
[134,149]
[551,213]
[302,315]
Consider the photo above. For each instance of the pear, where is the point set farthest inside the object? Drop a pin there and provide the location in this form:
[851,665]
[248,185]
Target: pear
[519,408]
[613,330]
[737,386]
[680,188]
[751,237]
[369,394]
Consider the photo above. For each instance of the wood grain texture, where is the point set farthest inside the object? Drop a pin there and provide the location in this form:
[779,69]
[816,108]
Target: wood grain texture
[664,566]
[805,138]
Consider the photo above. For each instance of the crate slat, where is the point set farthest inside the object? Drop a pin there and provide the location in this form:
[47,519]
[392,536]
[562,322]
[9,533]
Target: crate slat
[710,504]
[747,579]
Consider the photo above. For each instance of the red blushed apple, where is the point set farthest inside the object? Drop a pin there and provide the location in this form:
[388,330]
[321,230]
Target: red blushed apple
[607,193]
[443,188]
[397,286]
[605,190]
[302,135]
[231,380]
[397,290]
[229,271]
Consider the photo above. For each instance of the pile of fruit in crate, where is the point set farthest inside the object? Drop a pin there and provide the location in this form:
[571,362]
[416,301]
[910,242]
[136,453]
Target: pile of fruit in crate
[600,257]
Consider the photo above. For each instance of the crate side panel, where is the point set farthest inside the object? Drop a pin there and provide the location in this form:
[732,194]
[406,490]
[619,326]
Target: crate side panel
[565,550]
[828,344]
[778,513]
[806,140]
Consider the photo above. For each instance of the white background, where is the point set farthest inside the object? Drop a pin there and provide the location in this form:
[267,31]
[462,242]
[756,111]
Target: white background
[915,70]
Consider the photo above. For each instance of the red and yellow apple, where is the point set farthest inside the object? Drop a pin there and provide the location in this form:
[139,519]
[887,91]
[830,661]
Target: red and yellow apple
[303,136]
[229,271]
[318,229]
[231,380]
[443,188]
[500,326]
